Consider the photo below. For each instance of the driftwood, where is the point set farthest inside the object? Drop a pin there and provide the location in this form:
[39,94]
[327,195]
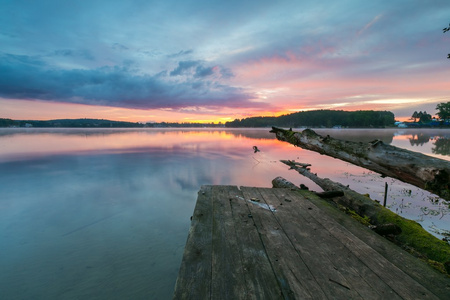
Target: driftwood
[431,174]
[280,182]
[361,204]
[330,194]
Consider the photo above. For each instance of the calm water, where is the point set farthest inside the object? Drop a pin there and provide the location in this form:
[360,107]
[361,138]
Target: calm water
[104,214]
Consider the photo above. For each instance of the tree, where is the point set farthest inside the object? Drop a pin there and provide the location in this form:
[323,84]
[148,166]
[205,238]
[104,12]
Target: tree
[414,116]
[445,30]
[443,111]
[7,123]
[425,117]
[319,118]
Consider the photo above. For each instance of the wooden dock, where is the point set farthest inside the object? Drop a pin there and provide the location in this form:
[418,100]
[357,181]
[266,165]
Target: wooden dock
[262,243]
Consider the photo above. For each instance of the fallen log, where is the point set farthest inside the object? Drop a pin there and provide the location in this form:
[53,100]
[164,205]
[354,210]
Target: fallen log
[281,182]
[428,173]
[408,234]
[330,194]
[361,204]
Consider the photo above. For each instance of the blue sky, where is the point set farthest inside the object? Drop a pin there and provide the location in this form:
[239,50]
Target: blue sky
[220,60]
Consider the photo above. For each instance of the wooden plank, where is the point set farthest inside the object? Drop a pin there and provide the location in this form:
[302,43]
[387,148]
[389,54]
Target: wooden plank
[227,271]
[293,275]
[304,236]
[260,281]
[331,260]
[417,269]
[238,249]
[395,278]
[194,277]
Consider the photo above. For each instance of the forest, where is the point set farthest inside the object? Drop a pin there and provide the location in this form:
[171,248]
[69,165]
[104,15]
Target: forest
[322,118]
[72,123]
[99,123]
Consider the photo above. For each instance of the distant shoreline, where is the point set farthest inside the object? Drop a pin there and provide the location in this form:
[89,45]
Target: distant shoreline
[102,123]
[232,128]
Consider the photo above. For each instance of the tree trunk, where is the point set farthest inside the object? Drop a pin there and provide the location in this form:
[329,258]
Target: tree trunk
[425,172]
[361,204]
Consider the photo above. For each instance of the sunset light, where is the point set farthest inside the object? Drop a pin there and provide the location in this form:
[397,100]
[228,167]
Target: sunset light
[150,149]
[202,63]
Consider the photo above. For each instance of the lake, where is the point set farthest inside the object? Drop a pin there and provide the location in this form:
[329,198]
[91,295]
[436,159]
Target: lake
[105,213]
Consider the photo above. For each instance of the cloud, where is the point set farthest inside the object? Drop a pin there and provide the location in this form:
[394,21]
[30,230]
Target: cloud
[201,71]
[370,24]
[175,54]
[26,77]
[184,67]
[181,53]
[86,54]
[119,47]
[197,69]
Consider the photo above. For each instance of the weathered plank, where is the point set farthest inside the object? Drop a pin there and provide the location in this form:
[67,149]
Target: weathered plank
[241,249]
[334,265]
[293,275]
[410,233]
[194,277]
[397,280]
[416,269]
[259,278]
[227,273]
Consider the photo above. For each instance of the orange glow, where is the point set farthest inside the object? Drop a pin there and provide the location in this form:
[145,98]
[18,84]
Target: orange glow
[403,137]
[287,84]
[111,140]
[296,84]
[41,110]
[44,110]
[43,141]
[403,119]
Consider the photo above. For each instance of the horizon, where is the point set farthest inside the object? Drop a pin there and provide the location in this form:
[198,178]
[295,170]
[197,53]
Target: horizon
[402,119]
[201,62]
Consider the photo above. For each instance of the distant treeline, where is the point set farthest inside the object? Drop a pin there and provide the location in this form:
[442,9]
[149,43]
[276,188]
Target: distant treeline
[316,118]
[182,125]
[97,123]
[321,118]
[68,123]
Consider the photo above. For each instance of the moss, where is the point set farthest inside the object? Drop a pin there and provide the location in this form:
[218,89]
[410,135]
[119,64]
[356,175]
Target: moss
[437,265]
[365,220]
[415,237]
[289,135]
[309,133]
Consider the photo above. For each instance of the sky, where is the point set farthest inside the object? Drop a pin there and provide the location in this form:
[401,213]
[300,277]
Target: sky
[216,61]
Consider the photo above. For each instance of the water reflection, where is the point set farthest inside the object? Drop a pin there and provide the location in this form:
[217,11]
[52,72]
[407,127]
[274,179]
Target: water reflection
[106,215]
[442,146]
[441,142]
[439,138]
[419,139]
[88,213]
